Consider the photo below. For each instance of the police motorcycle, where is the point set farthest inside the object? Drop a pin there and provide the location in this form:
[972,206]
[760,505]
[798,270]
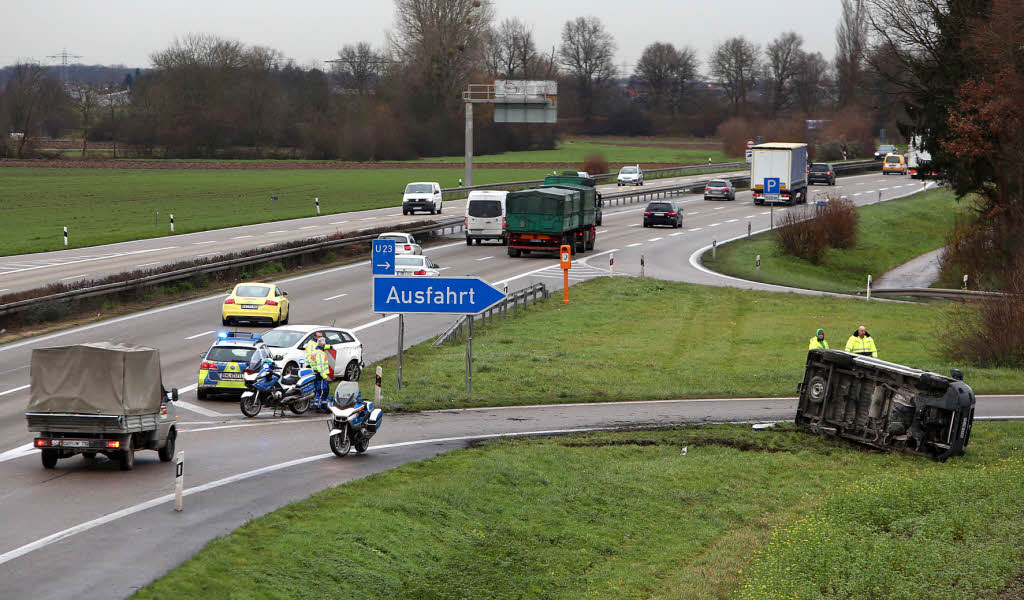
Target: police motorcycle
[354,420]
[265,386]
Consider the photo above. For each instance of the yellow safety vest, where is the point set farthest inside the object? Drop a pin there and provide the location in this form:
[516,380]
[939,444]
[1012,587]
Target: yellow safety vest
[859,345]
[319,363]
[815,344]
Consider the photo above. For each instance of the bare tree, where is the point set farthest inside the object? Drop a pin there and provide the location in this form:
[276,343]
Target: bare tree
[666,70]
[543,66]
[734,63]
[31,92]
[357,66]
[86,102]
[811,69]
[783,58]
[513,47]
[587,53]
[851,47]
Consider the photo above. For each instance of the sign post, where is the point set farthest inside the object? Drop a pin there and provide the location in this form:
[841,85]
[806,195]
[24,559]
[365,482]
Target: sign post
[565,254]
[401,343]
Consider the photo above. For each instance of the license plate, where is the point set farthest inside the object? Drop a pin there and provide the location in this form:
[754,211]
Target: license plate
[251,306]
[75,443]
[771,197]
[659,214]
[230,375]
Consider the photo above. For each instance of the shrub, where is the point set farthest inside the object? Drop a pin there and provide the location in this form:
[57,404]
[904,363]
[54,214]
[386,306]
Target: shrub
[839,220]
[988,332]
[802,236]
[595,164]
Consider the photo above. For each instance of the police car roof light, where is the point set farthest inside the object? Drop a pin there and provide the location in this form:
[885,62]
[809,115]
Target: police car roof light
[222,335]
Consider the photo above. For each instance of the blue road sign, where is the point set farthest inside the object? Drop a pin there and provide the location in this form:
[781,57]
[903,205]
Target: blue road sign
[771,185]
[433,295]
[383,257]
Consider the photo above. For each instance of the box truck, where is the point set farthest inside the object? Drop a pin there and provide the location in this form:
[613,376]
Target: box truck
[785,162]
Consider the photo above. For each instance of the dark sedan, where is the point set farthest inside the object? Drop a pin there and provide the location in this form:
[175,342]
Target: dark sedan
[663,212]
[821,173]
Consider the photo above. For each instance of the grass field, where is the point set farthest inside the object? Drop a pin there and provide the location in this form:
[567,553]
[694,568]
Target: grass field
[744,514]
[632,339]
[890,234]
[101,206]
[576,151]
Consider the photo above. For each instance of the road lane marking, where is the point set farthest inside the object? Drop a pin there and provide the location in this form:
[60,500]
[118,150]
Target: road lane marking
[635,225]
[443,268]
[714,225]
[485,258]
[634,245]
[12,390]
[732,220]
[4,290]
[197,409]
[695,229]
[675,234]
[241,237]
[750,216]
[654,239]
[207,254]
[309,227]
[368,219]
[278,231]
[335,297]
[149,264]
[18,452]
[192,337]
[73,277]
[766,212]
[206,242]
[719,208]
[338,222]
[77,260]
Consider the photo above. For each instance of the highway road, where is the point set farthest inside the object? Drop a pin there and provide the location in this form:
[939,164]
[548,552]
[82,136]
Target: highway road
[238,468]
[30,271]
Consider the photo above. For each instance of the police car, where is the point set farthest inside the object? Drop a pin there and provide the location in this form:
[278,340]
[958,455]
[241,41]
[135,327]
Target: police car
[227,359]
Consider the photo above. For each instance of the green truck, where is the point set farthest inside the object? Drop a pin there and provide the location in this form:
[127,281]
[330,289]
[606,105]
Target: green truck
[545,218]
[571,180]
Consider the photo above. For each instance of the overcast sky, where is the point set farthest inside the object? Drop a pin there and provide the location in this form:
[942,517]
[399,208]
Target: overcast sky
[128,31]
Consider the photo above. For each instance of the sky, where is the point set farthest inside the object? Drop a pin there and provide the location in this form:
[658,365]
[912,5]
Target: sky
[308,31]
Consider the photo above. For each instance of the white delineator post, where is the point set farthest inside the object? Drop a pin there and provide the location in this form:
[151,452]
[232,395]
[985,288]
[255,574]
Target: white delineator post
[714,249]
[611,264]
[317,206]
[65,236]
[757,266]
[965,281]
[869,287]
[179,479]
[376,386]
[172,222]
[642,266]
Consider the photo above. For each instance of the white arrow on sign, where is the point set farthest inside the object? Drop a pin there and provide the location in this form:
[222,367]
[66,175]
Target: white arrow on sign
[386,265]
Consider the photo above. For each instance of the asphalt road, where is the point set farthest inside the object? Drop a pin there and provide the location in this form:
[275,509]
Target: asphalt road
[30,271]
[238,468]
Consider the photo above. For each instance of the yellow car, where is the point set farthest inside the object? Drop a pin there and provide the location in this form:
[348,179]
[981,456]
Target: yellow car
[894,163]
[256,303]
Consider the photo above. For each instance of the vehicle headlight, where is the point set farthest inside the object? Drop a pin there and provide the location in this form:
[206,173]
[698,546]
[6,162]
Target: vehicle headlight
[279,357]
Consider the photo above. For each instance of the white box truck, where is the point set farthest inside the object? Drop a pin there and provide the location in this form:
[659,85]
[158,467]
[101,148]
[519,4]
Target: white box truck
[919,161]
[785,162]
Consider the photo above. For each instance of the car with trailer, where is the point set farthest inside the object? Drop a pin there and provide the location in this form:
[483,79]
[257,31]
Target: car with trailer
[720,188]
[256,303]
[100,398]
[224,365]
[422,196]
[663,212]
[287,347]
[821,173]
[405,243]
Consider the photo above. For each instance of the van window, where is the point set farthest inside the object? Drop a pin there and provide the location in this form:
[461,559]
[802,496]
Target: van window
[485,208]
[419,188]
[893,159]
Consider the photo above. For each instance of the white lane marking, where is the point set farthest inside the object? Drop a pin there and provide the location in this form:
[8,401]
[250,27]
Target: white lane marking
[654,239]
[278,231]
[599,231]
[368,219]
[265,246]
[443,268]
[635,225]
[12,390]
[241,237]
[18,452]
[148,264]
[73,277]
[858,193]
[766,212]
[197,409]
[719,208]
[750,216]
[335,297]
[732,220]
[714,225]
[88,259]
[338,222]
[675,234]
[695,212]
[131,510]
[4,290]
[206,242]
[207,254]
[634,245]
[192,337]
[485,258]
[309,227]
[695,229]
[882,189]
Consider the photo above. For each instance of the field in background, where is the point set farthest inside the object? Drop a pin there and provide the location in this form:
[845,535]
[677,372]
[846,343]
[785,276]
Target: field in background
[631,339]
[889,234]
[743,514]
[102,206]
[615,151]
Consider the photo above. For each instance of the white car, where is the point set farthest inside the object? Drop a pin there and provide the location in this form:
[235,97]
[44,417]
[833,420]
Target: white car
[415,266]
[287,345]
[422,195]
[631,175]
[405,243]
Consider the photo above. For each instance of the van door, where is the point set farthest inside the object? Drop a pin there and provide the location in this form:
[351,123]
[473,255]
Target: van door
[484,217]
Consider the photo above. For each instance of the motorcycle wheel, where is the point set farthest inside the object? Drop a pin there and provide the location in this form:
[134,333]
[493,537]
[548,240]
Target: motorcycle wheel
[362,445]
[341,444]
[299,406]
[251,406]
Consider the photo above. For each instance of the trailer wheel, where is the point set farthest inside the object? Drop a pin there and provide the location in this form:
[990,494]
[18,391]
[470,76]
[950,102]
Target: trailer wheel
[166,453]
[513,252]
[127,456]
[49,458]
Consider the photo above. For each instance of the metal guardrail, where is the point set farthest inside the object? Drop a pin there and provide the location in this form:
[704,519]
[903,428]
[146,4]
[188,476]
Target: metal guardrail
[454,224]
[459,327]
[930,293]
[512,186]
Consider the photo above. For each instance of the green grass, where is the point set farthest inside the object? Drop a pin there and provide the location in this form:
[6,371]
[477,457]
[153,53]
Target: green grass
[632,339]
[772,514]
[575,152]
[890,234]
[101,206]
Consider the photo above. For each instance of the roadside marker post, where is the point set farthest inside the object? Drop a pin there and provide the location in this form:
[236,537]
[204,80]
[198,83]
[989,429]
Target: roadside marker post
[65,236]
[565,254]
[965,281]
[172,222]
[642,264]
[156,220]
[748,228]
[714,249]
[757,266]
[611,264]
[179,480]
[317,206]
[376,386]
[869,288]
[273,204]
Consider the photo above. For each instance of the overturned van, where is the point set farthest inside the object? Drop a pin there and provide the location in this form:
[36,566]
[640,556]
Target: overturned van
[885,405]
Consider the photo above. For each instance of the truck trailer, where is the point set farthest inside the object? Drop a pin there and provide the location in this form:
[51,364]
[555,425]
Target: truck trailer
[919,160]
[785,162]
[545,218]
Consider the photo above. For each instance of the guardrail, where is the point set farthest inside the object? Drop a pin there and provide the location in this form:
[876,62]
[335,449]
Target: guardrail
[458,328]
[930,293]
[680,171]
[453,224]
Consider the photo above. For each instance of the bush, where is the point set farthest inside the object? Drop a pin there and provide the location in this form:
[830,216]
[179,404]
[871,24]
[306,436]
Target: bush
[595,164]
[802,236]
[839,220]
[988,332]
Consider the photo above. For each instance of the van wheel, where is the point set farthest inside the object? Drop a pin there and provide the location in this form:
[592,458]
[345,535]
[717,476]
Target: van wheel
[469,241]
[127,456]
[49,458]
[166,453]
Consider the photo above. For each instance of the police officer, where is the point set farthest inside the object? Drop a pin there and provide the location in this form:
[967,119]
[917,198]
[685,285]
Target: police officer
[862,343]
[312,344]
[321,370]
[818,341]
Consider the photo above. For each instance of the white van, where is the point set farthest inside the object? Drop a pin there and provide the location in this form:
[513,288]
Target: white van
[422,195]
[485,216]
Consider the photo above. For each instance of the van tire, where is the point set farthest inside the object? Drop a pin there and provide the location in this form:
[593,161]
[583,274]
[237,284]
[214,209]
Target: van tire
[49,458]
[469,241]
[166,453]
[126,458]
